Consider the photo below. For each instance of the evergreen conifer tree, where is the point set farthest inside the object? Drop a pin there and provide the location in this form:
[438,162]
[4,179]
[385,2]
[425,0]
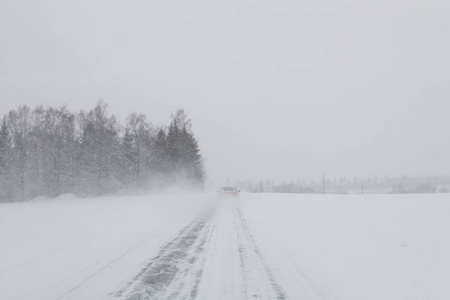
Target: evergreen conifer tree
[160,153]
[5,162]
[128,158]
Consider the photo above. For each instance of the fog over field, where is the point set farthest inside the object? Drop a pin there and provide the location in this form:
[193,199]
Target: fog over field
[280,91]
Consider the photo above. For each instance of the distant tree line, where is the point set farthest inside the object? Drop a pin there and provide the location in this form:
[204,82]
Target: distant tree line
[52,151]
[388,185]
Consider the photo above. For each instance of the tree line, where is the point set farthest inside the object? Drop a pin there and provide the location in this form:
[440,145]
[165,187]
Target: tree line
[49,152]
[385,185]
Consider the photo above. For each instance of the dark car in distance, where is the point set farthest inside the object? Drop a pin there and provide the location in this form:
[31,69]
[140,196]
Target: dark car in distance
[228,191]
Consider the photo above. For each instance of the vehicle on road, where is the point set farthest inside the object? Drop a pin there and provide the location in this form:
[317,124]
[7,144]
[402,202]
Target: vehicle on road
[228,191]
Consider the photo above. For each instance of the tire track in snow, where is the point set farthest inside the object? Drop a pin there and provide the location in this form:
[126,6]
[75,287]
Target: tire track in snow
[176,271]
[101,269]
[307,288]
[259,281]
[76,281]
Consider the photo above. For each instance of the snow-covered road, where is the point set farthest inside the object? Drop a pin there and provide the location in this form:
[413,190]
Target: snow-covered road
[214,257]
[202,247]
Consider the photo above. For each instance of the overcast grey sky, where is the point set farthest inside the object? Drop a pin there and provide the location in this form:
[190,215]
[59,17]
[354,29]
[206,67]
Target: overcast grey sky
[275,89]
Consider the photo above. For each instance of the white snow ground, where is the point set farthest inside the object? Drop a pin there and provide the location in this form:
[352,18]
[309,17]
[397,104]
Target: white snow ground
[269,246]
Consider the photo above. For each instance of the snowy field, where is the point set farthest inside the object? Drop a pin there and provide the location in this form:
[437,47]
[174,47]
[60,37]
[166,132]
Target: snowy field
[269,246]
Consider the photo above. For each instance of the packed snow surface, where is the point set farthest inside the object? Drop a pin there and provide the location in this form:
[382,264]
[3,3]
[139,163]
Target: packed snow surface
[256,246]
